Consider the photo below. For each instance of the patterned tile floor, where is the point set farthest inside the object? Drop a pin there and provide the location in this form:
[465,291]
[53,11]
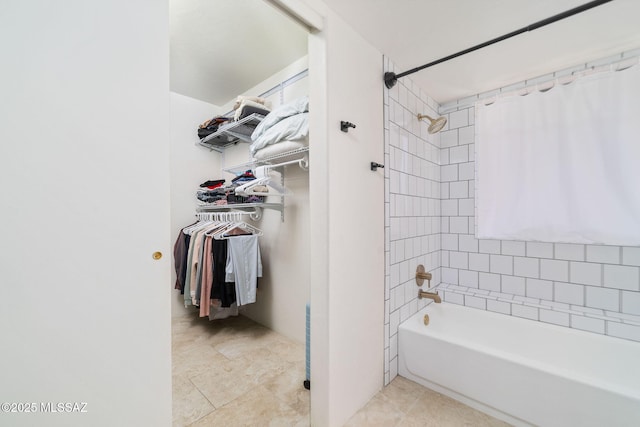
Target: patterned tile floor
[235,372]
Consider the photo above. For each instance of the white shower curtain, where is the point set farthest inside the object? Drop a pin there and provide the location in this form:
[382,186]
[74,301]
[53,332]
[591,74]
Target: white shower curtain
[562,165]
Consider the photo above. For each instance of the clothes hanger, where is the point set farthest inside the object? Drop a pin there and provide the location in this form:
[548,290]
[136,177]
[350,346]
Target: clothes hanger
[218,226]
[223,233]
[195,227]
[220,221]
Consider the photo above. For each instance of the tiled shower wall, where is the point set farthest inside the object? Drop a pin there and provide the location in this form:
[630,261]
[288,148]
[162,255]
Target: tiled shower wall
[430,220]
[412,207]
[589,287]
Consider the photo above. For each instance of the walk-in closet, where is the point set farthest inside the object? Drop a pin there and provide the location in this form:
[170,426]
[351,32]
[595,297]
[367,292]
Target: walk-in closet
[239,214]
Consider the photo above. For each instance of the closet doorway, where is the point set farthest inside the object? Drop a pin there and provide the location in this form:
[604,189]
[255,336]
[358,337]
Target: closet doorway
[249,368]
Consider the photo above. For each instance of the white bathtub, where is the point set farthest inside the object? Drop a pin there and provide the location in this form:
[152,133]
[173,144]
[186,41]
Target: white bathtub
[521,371]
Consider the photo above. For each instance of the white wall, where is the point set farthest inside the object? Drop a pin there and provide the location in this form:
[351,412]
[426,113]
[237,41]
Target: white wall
[84,308]
[289,93]
[347,217]
[191,165]
[283,291]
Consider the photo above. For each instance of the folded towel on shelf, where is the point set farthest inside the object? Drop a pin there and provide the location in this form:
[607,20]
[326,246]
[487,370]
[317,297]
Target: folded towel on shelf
[293,128]
[248,107]
[279,148]
[248,110]
[255,99]
[300,105]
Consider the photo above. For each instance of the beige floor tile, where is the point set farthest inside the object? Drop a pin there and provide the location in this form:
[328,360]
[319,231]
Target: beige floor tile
[244,343]
[189,404]
[197,360]
[408,404]
[258,407]
[379,412]
[403,393]
[262,365]
[222,384]
[288,388]
[288,349]
[229,379]
[221,367]
[435,409]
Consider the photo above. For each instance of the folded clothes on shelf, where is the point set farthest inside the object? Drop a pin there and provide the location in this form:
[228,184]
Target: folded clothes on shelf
[213,184]
[244,177]
[211,126]
[214,192]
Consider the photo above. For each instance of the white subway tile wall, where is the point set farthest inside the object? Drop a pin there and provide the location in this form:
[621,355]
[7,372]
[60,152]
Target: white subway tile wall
[413,206]
[569,251]
[430,220]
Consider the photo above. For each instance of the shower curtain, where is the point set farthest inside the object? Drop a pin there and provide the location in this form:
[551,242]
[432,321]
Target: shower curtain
[562,165]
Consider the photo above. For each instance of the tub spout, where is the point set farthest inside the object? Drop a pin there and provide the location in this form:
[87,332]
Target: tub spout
[434,296]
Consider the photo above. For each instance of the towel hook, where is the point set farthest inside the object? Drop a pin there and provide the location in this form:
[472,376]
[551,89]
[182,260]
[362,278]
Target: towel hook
[375,166]
[344,126]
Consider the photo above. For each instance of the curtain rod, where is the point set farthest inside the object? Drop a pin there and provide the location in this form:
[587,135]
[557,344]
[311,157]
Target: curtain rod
[390,79]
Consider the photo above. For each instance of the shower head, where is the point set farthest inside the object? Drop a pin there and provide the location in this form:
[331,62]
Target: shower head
[435,125]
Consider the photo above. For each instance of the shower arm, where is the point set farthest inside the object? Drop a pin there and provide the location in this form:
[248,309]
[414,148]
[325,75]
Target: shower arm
[390,78]
[425,116]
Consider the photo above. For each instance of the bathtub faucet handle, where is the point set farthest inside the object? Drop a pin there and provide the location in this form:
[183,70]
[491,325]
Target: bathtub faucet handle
[422,275]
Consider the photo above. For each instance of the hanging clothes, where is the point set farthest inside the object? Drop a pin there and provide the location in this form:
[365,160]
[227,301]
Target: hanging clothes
[214,264]
[180,249]
[244,266]
[192,264]
[207,277]
[222,289]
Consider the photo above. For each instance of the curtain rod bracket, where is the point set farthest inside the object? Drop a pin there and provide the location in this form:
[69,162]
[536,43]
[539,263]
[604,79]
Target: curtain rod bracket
[390,79]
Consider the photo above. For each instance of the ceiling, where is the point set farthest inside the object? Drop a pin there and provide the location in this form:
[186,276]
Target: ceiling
[222,51]
[416,32]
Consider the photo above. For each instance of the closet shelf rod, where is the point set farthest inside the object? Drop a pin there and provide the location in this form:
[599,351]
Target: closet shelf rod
[303,163]
[255,214]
